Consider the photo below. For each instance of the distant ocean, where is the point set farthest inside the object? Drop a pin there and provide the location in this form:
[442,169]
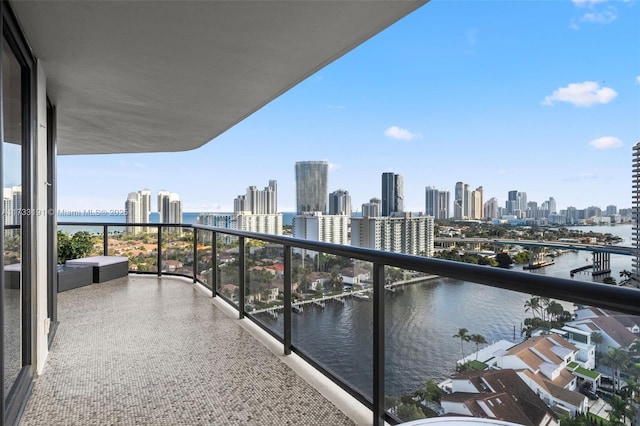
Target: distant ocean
[188,218]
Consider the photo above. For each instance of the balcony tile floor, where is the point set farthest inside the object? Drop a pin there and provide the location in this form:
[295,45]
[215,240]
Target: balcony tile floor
[148,351]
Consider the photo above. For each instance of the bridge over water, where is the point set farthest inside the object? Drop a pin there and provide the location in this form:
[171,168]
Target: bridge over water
[601,252]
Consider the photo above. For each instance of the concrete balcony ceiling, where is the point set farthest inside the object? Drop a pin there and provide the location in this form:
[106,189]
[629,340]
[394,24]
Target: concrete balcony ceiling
[157,76]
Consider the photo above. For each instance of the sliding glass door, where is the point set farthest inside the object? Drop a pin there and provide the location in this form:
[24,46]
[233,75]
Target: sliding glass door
[17,103]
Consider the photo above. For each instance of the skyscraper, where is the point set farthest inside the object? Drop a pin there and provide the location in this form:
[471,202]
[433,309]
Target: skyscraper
[311,186]
[392,194]
[12,205]
[459,201]
[436,203]
[133,212]
[340,203]
[145,207]
[258,202]
[372,208]
[175,208]
[516,203]
[400,234]
[162,196]
[257,210]
[318,227]
[477,203]
[491,210]
[169,207]
[635,265]
[137,208]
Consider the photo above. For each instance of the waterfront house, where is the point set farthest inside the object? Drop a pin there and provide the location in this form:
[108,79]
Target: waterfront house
[499,395]
[616,331]
[541,362]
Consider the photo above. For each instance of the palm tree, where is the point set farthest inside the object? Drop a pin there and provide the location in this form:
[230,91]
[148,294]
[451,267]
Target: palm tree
[621,409]
[617,359]
[544,305]
[631,388]
[532,304]
[464,337]
[635,346]
[478,339]
[626,275]
[554,309]
[597,338]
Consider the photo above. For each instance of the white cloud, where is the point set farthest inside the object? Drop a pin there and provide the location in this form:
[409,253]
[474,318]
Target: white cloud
[587,3]
[606,142]
[395,132]
[638,79]
[333,166]
[586,93]
[600,17]
[336,107]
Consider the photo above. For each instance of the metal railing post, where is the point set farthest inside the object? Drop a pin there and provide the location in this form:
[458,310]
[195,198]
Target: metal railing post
[378,344]
[241,276]
[214,263]
[105,240]
[287,300]
[159,267]
[195,253]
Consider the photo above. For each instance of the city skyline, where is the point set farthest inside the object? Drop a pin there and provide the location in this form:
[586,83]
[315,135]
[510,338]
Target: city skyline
[470,107]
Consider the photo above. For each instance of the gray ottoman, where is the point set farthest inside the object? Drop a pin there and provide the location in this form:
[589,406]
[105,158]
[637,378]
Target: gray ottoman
[105,268]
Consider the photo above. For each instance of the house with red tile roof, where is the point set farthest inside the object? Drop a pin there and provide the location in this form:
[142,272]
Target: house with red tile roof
[541,362]
[497,394]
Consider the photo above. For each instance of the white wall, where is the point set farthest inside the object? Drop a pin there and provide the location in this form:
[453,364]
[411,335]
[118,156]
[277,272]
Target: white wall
[39,278]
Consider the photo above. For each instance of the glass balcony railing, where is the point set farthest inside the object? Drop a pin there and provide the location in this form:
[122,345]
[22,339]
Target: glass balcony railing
[388,328]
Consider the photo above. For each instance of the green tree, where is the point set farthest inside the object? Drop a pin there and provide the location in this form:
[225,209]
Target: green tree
[618,360]
[504,260]
[554,310]
[522,257]
[631,388]
[621,410]
[463,335]
[408,412]
[335,281]
[75,246]
[597,338]
[578,420]
[532,305]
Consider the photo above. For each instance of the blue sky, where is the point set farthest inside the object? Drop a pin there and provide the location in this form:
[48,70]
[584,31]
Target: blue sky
[535,96]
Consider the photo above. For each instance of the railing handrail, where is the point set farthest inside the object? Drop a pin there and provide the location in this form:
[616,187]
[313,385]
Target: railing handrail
[588,293]
[607,296]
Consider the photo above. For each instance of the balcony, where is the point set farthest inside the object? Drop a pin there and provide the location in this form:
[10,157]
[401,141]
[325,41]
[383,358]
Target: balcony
[150,350]
[157,348]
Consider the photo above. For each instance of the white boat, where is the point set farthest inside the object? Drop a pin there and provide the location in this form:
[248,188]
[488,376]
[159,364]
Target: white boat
[361,296]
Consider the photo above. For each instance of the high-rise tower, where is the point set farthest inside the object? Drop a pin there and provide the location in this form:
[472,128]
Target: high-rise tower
[340,203]
[258,202]
[459,201]
[392,194]
[311,186]
[169,207]
[137,209]
[436,203]
[635,265]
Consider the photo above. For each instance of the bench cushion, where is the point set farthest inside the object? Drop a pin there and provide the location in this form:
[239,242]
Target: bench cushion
[105,268]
